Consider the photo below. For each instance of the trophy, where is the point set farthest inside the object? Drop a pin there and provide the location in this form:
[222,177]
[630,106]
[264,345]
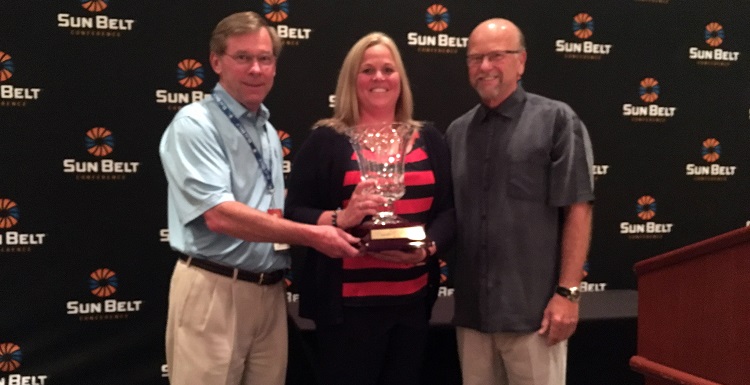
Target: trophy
[381,149]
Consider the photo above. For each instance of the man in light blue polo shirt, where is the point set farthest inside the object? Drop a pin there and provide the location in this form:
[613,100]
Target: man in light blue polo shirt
[222,159]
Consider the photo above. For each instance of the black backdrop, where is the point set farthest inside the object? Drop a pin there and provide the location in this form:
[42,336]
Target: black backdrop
[87,88]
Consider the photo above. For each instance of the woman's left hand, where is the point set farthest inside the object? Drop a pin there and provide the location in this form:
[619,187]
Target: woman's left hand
[414,257]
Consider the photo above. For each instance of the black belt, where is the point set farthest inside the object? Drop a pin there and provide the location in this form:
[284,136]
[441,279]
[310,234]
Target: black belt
[259,278]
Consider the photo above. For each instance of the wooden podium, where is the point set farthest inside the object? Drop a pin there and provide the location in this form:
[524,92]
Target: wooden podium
[694,313]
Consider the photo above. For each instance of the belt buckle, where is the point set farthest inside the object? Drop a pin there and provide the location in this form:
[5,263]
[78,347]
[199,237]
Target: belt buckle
[260,281]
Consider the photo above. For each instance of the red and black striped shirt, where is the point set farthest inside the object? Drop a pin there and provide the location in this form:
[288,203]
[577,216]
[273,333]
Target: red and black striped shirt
[370,281]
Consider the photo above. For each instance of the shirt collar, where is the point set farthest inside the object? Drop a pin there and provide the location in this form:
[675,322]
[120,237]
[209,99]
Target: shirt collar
[510,108]
[240,111]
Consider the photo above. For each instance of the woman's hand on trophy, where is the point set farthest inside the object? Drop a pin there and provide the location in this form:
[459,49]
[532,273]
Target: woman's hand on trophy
[413,257]
[361,204]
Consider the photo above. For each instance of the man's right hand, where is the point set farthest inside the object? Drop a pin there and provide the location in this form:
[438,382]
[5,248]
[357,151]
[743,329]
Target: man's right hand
[335,242]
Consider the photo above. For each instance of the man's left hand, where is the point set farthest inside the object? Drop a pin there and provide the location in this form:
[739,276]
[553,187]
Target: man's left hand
[560,319]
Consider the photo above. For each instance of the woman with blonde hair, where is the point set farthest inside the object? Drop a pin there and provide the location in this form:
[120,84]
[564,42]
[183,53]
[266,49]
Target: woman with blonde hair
[371,312]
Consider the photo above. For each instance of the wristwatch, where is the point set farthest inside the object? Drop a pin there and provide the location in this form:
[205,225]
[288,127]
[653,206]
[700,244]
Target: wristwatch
[571,293]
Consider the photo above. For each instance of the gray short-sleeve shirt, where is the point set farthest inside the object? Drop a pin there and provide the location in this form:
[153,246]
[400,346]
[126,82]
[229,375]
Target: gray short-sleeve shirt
[515,168]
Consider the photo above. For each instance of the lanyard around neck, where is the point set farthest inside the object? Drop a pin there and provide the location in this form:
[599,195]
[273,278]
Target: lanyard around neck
[263,167]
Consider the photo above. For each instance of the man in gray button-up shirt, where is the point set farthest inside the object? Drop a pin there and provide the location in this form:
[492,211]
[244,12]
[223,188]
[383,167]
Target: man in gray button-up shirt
[523,188]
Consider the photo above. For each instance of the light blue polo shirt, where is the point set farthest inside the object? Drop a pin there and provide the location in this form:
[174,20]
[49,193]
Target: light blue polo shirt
[207,161]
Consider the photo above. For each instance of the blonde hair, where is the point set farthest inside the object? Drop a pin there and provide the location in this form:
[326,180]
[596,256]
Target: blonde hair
[346,108]
[240,23]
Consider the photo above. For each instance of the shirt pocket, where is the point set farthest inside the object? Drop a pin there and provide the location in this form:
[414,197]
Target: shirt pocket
[528,180]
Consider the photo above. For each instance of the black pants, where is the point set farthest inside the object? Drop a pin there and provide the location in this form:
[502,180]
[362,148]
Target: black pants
[374,346]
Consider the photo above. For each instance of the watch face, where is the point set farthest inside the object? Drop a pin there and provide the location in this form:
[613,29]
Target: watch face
[572,294]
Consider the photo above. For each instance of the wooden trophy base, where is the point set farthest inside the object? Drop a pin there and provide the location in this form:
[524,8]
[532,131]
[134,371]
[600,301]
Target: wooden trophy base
[404,236]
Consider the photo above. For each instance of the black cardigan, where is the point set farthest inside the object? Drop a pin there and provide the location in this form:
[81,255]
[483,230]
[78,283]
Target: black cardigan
[316,185]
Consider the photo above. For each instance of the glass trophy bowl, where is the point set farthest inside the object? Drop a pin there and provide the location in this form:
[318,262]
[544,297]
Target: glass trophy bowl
[381,151]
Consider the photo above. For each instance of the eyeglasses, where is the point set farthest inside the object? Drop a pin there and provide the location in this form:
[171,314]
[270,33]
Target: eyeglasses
[264,59]
[495,57]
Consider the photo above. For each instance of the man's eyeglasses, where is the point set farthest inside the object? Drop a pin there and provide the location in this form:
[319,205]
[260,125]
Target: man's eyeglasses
[495,57]
[264,59]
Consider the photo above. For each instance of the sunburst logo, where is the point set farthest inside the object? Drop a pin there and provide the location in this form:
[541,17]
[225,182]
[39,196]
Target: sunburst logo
[289,278]
[646,207]
[9,213]
[443,271]
[711,150]
[190,73]
[10,357]
[649,90]
[103,282]
[99,141]
[437,17]
[714,34]
[276,10]
[583,25]
[713,171]
[94,5]
[6,67]
[286,142]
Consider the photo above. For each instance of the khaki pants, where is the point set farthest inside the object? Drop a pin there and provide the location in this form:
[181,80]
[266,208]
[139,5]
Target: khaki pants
[510,358]
[222,331]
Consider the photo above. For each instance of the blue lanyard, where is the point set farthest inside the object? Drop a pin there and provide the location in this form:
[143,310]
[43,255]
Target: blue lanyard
[263,167]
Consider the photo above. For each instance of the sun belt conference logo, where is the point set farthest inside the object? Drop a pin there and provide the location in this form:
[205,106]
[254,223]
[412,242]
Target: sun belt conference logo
[586,286]
[6,67]
[12,241]
[97,25]
[9,213]
[649,91]
[437,19]
[711,172]
[99,142]
[286,148]
[583,26]
[645,209]
[164,235]
[444,291]
[291,296]
[286,142]
[599,170]
[103,283]
[711,150]
[11,357]
[444,271]
[11,96]
[583,29]
[277,11]
[714,36]
[94,5]
[190,75]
